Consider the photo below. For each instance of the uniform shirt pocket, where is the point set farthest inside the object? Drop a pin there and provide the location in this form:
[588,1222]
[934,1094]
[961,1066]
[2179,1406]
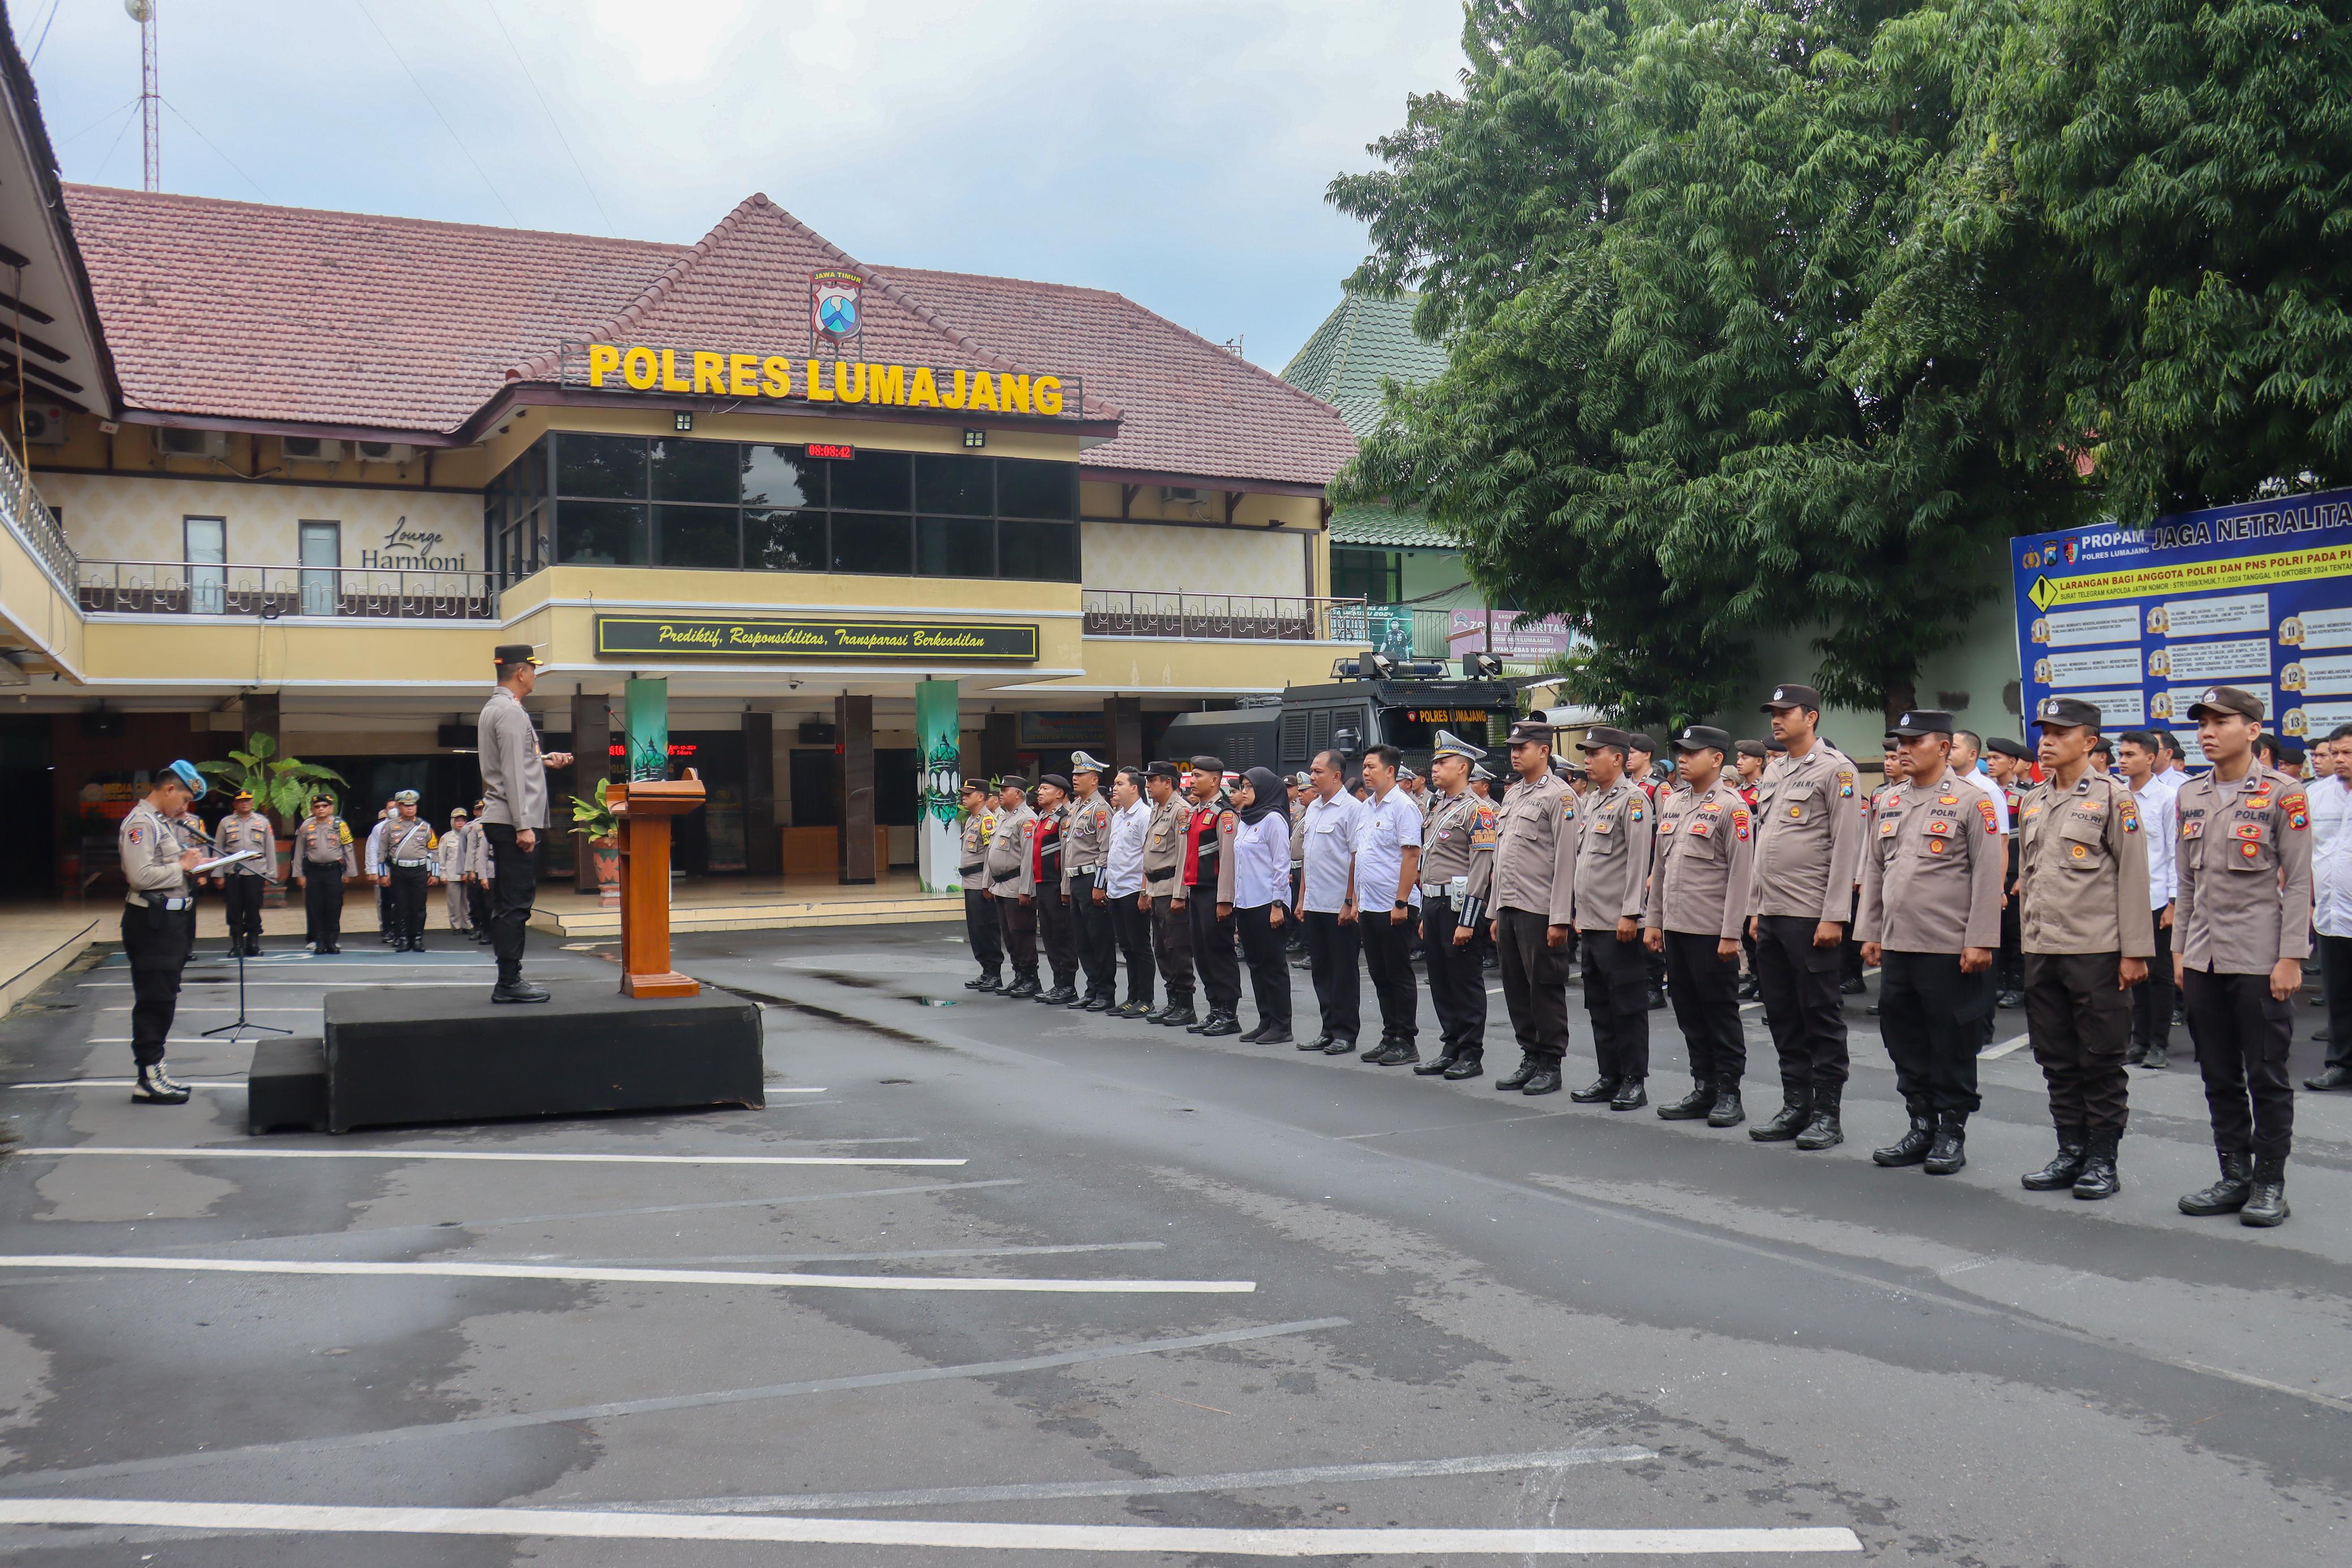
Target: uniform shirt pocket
[2083,840]
[2252,847]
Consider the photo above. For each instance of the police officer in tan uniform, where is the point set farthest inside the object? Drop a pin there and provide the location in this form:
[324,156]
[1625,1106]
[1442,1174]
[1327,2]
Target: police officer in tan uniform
[157,932]
[1697,909]
[323,858]
[1613,875]
[1930,919]
[1013,886]
[1530,884]
[1459,831]
[245,829]
[2242,928]
[1801,894]
[2084,923]
[1086,845]
[1163,887]
[980,923]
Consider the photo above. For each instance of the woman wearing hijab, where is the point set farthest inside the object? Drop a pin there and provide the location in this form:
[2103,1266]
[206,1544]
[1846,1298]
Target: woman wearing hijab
[1261,886]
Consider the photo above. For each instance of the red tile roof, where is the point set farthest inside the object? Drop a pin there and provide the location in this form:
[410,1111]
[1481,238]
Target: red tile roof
[232,311]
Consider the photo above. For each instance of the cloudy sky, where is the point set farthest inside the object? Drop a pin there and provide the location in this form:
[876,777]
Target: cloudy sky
[1173,149]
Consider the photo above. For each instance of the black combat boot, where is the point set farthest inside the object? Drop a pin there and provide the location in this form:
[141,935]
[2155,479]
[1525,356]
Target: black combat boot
[1517,1079]
[1824,1130]
[1691,1106]
[1601,1088]
[982,982]
[1400,1053]
[2227,1195]
[1951,1150]
[1435,1064]
[1469,1064]
[1912,1146]
[1632,1095]
[1219,1024]
[1180,1015]
[1022,988]
[1795,1113]
[2064,1166]
[2266,1200]
[2099,1178]
[1727,1112]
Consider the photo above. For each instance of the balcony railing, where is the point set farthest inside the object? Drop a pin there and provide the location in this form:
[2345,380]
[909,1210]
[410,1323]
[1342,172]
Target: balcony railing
[30,520]
[1247,617]
[197,588]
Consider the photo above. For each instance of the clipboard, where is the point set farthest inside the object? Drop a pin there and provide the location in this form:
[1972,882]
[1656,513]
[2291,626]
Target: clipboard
[205,866]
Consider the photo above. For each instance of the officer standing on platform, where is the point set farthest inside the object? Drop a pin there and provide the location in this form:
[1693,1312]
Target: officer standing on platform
[1163,892]
[1698,907]
[1012,886]
[2083,887]
[2243,930]
[514,812]
[1053,914]
[1807,843]
[242,830]
[156,933]
[322,860]
[1460,832]
[1930,918]
[1530,884]
[1208,889]
[980,927]
[1085,844]
[1613,875]
[408,846]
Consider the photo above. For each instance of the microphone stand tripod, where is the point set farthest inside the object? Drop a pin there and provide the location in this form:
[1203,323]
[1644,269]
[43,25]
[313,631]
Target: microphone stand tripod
[243,1023]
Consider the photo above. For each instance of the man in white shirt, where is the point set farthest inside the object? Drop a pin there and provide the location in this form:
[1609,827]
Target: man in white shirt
[1330,826]
[2170,758]
[1388,887]
[1966,745]
[2153,793]
[1121,885]
[2331,886]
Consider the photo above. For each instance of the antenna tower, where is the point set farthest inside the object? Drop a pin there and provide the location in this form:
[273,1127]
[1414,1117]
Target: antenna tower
[151,144]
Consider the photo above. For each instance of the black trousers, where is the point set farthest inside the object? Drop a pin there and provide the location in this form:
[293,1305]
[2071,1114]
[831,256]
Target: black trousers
[1098,952]
[2334,959]
[1850,964]
[1800,985]
[1617,1000]
[980,930]
[1018,923]
[157,942]
[2011,963]
[514,883]
[241,902]
[1213,958]
[409,896]
[1388,960]
[1932,1018]
[2151,1000]
[1171,945]
[1457,982]
[2242,1033]
[383,907]
[1056,935]
[1705,990]
[477,904]
[2080,1023]
[1132,927]
[1535,985]
[1270,975]
[1331,965]
[322,902]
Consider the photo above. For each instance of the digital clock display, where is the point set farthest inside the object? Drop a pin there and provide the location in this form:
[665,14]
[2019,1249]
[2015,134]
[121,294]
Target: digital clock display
[828,449]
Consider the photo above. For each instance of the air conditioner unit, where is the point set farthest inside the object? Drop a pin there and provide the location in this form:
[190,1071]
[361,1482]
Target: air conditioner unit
[192,442]
[1174,494]
[44,423]
[311,449]
[382,451]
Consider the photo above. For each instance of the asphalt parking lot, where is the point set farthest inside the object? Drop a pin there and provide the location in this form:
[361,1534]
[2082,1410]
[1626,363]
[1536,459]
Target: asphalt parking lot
[986,1278]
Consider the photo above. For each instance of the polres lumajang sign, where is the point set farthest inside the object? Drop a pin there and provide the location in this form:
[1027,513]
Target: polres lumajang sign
[636,368]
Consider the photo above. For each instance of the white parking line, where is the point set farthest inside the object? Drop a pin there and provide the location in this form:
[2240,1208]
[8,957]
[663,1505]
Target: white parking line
[588,1276]
[212,1082]
[1995,1052]
[311,984]
[517,1159]
[587,1524]
[181,1012]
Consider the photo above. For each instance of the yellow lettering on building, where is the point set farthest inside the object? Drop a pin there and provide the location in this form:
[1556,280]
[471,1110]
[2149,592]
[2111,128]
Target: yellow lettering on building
[1049,395]
[604,359]
[746,375]
[817,392]
[711,374]
[957,401]
[776,376]
[639,370]
[671,380]
[849,388]
[743,374]
[1015,392]
[886,384]
[925,392]
[984,390]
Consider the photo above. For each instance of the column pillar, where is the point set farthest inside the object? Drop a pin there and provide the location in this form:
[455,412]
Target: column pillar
[261,717]
[762,847]
[592,764]
[938,734]
[1123,723]
[852,726]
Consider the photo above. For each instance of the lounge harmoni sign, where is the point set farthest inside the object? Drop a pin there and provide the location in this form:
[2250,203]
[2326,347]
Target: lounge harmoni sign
[614,366]
[710,636]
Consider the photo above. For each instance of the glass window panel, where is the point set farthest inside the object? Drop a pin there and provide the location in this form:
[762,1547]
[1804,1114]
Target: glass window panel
[696,537]
[323,551]
[781,477]
[697,471]
[959,484]
[955,547]
[1047,553]
[602,465]
[876,482]
[871,544]
[206,540]
[600,533]
[1026,489]
[776,539]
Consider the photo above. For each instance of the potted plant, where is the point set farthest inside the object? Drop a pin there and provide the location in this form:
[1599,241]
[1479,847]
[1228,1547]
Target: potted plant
[282,789]
[595,819]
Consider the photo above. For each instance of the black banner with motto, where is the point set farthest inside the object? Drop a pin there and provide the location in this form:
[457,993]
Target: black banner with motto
[730,637]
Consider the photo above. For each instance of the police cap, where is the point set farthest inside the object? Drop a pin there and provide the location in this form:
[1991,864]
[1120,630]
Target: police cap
[1699,737]
[2069,711]
[2008,747]
[1530,729]
[1922,721]
[405,797]
[1600,735]
[1790,694]
[1087,762]
[507,655]
[1452,745]
[1059,781]
[2219,700]
[1167,770]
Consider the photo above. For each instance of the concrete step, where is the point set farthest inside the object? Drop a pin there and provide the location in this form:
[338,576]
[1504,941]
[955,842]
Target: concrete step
[780,914]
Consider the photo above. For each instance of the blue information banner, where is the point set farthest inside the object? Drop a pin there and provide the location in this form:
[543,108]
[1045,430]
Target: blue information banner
[2139,621]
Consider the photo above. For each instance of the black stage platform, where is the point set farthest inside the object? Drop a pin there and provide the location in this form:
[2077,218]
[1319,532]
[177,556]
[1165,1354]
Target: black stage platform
[395,1056]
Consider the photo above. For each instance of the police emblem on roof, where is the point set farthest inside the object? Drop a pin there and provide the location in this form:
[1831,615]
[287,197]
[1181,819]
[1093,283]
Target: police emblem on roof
[833,306]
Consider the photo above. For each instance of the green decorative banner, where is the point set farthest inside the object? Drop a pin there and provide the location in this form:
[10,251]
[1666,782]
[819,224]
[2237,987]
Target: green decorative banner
[703,636]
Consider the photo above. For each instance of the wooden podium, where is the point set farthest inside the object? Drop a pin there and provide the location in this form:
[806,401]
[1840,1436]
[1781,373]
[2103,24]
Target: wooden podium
[643,810]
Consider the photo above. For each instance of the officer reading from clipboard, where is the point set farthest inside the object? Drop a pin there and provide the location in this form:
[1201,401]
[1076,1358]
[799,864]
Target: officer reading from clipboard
[156,932]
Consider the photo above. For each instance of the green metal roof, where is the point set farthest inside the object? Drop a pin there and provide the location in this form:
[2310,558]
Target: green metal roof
[1386,527]
[1362,342]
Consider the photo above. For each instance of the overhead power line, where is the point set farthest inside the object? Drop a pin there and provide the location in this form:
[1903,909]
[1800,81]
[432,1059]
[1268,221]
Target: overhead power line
[217,151]
[436,108]
[553,125]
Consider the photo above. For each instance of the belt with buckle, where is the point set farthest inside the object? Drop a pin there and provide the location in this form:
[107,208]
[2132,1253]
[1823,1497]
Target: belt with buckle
[412,865]
[143,902]
[1436,890]
[968,870]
